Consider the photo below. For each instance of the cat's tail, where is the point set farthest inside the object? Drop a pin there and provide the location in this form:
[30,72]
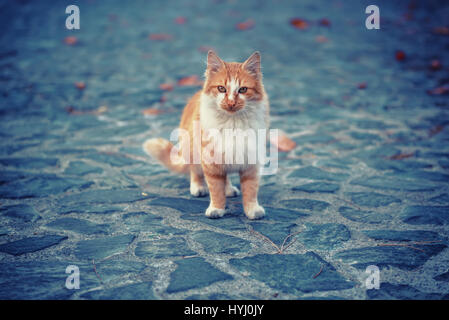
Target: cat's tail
[161,150]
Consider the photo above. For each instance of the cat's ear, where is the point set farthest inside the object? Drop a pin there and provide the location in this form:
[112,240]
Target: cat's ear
[214,63]
[252,64]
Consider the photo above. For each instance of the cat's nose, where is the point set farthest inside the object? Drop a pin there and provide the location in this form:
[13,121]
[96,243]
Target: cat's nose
[231,104]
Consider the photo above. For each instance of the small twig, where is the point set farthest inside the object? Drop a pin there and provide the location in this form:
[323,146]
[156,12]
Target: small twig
[192,256]
[428,242]
[288,237]
[283,247]
[95,269]
[349,202]
[398,245]
[288,245]
[319,272]
[264,238]
[435,130]
[401,156]
[409,245]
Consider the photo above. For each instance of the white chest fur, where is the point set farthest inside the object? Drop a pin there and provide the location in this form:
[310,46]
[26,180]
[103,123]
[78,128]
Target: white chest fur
[248,121]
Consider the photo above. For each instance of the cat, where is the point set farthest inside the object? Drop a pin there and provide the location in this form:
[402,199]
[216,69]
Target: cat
[233,97]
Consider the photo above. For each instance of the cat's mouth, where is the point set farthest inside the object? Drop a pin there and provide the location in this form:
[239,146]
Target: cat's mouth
[232,110]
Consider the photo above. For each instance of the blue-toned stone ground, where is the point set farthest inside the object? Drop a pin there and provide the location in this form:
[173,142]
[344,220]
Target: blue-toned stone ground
[366,184]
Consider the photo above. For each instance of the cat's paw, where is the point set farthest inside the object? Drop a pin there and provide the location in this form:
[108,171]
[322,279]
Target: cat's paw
[255,212]
[232,191]
[198,190]
[214,213]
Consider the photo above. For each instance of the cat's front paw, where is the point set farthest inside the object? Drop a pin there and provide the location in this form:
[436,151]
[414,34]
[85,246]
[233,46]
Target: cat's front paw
[255,212]
[214,213]
[198,190]
[232,191]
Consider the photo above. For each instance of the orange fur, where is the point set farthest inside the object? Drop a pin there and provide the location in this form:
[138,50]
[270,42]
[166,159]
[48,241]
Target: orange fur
[232,76]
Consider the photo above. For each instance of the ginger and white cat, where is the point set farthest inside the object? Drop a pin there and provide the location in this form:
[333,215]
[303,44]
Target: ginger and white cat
[233,97]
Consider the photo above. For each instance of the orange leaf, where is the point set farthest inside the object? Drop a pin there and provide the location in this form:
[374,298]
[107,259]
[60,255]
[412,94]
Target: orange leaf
[325,22]
[439,91]
[70,40]
[180,20]
[435,65]
[321,39]
[248,24]
[166,86]
[284,143]
[190,81]
[441,30]
[151,112]
[400,55]
[362,85]
[160,36]
[80,85]
[299,23]
[435,130]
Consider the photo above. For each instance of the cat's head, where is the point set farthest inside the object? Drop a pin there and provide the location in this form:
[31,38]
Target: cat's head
[232,85]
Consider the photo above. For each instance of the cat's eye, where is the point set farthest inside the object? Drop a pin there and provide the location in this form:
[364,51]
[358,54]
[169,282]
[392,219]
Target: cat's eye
[243,90]
[221,89]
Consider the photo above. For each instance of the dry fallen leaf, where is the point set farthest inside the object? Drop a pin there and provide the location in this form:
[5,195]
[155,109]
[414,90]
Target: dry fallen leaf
[401,156]
[400,55]
[193,80]
[151,112]
[325,22]
[180,20]
[299,23]
[435,130]
[70,40]
[441,31]
[439,91]
[321,39]
[80,85]
[248,24]
[166,86]
[435,65]
[284,143]
[160,36]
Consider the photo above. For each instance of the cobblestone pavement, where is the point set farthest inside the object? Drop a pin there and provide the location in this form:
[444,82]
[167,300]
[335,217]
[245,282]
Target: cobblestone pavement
[367,183]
